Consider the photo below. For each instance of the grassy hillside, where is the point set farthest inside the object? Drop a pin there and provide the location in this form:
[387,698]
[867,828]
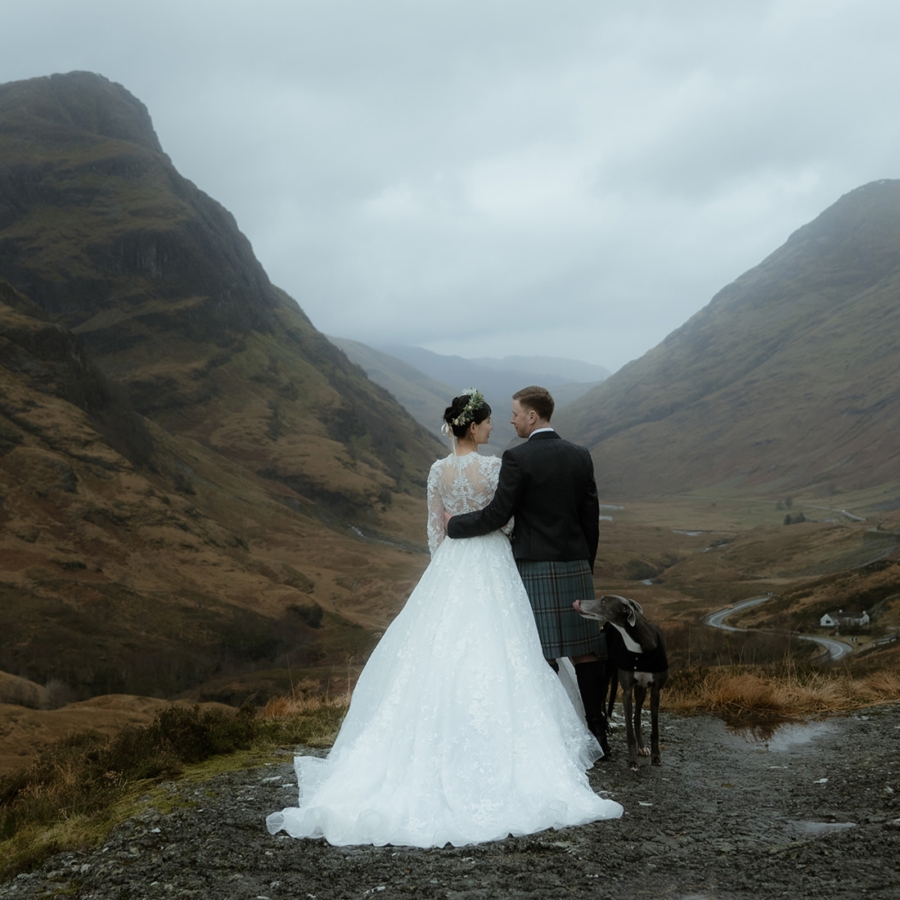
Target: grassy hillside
[199,494]
[786,380]
[425,398]
[169,302]
[684,556]
[134,560]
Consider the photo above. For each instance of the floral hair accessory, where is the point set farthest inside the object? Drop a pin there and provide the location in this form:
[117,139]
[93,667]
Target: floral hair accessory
[473,404]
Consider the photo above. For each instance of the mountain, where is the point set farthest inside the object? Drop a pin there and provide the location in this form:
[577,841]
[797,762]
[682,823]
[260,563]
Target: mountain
[165,295]
[499,379]
[194,482]
[787,380]
[423,397]
[424,382]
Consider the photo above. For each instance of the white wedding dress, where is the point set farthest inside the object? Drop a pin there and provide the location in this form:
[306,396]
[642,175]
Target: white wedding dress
[458,731]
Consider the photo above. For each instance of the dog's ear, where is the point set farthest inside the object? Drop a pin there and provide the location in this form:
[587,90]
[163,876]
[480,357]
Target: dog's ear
[634,610]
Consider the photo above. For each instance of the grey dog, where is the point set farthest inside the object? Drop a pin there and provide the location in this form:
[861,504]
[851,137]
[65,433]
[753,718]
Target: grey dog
[636,649]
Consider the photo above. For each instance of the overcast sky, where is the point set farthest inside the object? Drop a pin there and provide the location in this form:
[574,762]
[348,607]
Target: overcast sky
[500,177]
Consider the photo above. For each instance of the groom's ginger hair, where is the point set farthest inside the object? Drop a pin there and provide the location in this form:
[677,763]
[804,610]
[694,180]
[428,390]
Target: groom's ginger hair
[538,399]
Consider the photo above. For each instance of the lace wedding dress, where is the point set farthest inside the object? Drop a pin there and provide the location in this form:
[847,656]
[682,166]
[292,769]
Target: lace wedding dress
[458,731]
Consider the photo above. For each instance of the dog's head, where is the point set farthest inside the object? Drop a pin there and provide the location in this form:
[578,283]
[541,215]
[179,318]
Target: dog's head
[610,608]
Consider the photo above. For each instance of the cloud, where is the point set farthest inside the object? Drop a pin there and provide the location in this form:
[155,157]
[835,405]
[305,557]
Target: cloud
[499,177]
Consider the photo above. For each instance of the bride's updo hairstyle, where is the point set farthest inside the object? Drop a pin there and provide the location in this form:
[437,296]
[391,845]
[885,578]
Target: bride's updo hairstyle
[470,406]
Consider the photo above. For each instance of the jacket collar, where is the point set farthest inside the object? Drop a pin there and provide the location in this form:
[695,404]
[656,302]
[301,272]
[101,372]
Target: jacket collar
[542,435]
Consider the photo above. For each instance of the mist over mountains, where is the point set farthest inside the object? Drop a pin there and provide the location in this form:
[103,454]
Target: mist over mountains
[501,374]
[424,382]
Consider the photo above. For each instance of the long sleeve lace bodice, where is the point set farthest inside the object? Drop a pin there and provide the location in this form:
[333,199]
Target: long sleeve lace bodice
[459,484]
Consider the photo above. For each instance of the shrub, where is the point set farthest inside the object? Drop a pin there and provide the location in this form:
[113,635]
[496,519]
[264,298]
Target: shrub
[79,778]
[638,570]
[309,613]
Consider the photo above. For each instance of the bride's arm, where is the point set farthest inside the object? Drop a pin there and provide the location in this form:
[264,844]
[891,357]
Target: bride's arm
[507,529]
[435,523]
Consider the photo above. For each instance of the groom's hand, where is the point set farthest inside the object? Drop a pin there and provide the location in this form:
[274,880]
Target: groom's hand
[447,518]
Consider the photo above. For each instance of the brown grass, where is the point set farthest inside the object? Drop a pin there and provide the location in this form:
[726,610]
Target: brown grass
[78,788]
[302,718]
[74,793]
[777,693]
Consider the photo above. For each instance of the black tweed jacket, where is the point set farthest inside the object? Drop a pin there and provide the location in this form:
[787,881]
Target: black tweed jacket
[547,483]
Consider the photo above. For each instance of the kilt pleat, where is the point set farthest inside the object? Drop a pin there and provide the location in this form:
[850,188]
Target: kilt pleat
[552,588]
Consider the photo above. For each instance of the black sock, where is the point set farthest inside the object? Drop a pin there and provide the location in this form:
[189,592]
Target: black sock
[590,686]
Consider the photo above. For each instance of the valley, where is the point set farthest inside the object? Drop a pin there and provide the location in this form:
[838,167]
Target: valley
[204,500]
[680,557]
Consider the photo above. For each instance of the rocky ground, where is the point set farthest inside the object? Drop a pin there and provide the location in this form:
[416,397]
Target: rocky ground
[811,813]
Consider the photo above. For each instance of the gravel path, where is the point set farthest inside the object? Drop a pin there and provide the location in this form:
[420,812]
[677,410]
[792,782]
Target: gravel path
[812,814]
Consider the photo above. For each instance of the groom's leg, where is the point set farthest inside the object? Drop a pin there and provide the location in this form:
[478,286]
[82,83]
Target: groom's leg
[552,587]
[591,675]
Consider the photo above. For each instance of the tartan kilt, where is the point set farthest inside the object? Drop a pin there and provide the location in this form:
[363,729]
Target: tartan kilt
[552,588]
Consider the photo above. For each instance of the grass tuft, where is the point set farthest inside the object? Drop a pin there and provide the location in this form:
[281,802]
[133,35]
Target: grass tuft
[300,720]
[776,693]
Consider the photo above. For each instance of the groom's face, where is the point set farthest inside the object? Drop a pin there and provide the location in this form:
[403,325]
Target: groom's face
[523,419]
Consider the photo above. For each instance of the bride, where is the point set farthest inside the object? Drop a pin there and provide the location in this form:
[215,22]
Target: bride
[458,731]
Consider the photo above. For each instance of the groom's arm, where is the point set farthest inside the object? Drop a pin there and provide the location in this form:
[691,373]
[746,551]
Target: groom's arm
[499,511]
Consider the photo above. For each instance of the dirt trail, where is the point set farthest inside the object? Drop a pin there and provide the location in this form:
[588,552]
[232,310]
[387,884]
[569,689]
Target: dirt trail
[812,814]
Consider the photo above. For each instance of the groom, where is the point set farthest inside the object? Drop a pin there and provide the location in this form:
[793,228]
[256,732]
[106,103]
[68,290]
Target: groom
[548,485]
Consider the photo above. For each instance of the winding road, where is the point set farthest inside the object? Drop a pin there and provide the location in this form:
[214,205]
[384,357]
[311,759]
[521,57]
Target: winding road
[836,649]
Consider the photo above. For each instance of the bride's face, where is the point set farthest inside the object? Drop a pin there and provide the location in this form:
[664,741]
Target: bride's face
[482,431]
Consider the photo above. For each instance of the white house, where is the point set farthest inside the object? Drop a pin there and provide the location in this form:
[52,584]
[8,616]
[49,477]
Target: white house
[844,619]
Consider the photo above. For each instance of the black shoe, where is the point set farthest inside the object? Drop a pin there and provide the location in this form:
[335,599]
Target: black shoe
[598,728]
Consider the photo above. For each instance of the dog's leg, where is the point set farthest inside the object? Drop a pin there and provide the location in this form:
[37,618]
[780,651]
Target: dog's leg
[640,694]
[659,682]
[655,758]
[626,680]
